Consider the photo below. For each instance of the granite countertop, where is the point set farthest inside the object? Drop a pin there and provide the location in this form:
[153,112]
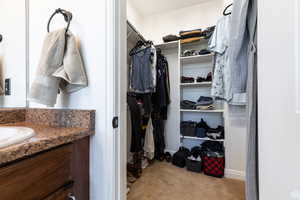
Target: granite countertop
[48,135]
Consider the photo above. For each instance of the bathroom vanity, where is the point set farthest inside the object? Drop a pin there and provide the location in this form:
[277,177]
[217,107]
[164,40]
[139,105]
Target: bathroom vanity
[53,164]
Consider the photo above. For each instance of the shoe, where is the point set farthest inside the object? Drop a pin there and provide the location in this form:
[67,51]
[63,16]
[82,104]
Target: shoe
[185,79]
[204,52]
[209,77]
[201,79]
[216,133]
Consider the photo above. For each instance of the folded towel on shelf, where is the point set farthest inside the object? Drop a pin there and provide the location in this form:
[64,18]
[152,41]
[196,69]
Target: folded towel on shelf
[60,68]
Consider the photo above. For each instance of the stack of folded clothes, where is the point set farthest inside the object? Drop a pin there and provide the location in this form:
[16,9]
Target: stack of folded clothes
[191,36]
[192,52]
[208,78]
[189,105]
[205,103]
[185,79]
[203,131]
[196,34]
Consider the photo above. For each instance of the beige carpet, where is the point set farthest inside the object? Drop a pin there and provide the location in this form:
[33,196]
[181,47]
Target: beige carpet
[163,181]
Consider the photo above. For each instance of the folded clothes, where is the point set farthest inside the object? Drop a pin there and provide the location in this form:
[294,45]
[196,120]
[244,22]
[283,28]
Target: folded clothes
[190,40]
[207,33]
[204,101]
[186,104]
[189,32]
[207,79]
[170,38]
[185,79]
[209,107]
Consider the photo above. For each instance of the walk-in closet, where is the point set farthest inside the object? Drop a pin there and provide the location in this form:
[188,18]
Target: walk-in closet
[186,105]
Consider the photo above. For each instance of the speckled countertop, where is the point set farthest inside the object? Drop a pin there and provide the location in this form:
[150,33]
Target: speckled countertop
[52,128]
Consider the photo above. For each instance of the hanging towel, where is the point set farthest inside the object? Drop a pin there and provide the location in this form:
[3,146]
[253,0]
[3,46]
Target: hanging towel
[149,141]
[60,68]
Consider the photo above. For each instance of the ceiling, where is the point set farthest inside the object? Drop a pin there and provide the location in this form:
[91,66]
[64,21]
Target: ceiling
[150,7]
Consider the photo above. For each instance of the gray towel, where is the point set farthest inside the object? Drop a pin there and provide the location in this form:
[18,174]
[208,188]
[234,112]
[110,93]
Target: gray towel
[60,68]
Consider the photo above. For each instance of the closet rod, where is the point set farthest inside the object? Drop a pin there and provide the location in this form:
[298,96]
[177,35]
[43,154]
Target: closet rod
[134,29]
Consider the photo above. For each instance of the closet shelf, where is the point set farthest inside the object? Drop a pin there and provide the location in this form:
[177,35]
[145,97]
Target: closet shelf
[168,45]
[196,59]
[196,84]
[203,111]
[203,139]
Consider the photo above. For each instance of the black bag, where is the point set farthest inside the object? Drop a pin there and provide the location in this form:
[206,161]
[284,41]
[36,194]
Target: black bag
[194,166]
[179,158]
[188,128]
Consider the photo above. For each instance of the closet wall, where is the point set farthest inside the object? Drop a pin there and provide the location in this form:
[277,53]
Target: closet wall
[153,27]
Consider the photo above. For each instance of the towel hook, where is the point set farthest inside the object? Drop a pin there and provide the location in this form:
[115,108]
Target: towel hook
[67,16]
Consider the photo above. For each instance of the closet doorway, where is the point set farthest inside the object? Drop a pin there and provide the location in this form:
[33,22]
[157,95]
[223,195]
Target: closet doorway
[184,140]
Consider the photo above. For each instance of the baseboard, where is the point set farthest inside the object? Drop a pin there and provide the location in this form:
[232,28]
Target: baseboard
[234,174]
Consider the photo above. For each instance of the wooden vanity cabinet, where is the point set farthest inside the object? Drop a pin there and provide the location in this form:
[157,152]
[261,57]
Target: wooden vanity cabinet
[56,174]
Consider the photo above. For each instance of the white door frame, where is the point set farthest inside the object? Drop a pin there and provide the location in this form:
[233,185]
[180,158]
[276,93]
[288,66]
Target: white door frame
[116,63]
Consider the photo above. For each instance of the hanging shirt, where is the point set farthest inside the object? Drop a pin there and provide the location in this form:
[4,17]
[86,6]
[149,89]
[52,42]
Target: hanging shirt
[238,52]
[219,42]
[143,70]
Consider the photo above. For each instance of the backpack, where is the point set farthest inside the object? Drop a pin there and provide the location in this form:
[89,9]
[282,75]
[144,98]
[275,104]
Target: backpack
[179,158]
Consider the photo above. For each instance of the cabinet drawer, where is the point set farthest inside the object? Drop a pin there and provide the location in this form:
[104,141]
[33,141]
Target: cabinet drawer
[36,177]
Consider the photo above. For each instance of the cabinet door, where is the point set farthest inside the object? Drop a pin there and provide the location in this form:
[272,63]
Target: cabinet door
[62,194]
[38,176]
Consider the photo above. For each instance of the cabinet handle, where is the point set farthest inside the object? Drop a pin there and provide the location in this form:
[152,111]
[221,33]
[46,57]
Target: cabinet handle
[71,197]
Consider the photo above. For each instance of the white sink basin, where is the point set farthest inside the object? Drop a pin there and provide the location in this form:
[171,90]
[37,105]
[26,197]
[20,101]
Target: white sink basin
[14,135]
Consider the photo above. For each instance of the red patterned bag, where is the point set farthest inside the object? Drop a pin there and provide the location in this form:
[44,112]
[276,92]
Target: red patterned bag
[214,165]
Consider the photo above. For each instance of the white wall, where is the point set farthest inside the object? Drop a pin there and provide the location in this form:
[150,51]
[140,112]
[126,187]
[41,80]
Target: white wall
[89,25]
[135,17]
[278,111]
[13,51]
[199,16]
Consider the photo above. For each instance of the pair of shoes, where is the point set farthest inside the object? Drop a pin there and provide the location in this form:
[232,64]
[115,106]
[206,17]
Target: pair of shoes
[207,79]
[204,52]
[216,133]
[185,79]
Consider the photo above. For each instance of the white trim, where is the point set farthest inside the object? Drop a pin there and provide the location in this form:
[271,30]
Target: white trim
[111,136]
[234,174]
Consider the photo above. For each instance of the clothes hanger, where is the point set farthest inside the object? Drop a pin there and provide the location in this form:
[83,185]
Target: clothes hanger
[138,45]
[224,12]
[67,16]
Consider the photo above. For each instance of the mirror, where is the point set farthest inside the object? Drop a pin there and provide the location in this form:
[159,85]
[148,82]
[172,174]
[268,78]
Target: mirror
[13,53]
